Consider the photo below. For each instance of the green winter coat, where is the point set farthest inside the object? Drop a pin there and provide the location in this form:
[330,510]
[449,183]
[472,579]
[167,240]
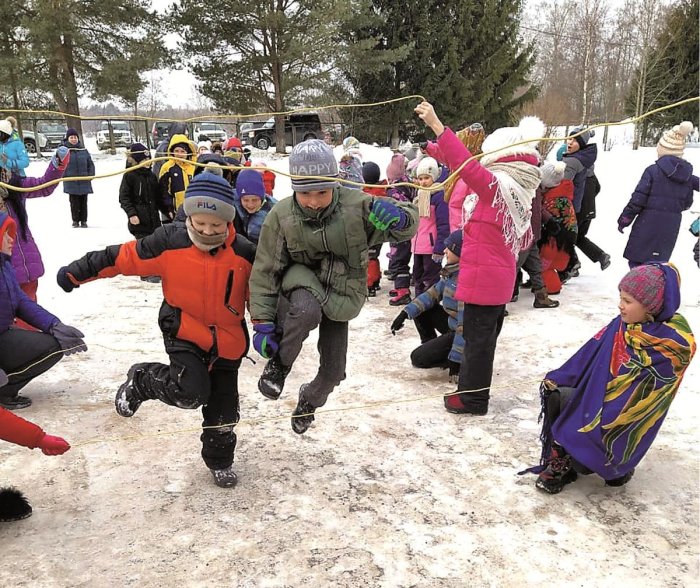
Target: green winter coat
[326,255]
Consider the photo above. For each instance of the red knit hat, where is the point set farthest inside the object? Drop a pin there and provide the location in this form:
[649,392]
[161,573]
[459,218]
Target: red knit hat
[645,283]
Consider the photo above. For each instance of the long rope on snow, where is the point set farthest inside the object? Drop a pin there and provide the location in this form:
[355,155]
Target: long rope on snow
[434,188]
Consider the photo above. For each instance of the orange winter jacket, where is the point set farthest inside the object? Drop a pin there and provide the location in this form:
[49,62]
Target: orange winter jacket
[205,292]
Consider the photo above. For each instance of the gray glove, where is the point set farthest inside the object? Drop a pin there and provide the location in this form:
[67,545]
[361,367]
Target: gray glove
[3,378]
[69,338]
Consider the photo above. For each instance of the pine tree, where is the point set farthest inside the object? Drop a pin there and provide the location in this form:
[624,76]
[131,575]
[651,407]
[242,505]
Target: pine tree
[464,56]
[99,48]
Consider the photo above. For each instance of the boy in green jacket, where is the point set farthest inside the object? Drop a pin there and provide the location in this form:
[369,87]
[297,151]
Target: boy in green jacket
[310,271]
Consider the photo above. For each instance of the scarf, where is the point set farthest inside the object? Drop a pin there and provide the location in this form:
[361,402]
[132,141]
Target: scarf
[204,242]
[517,182]
[625,377]
[423,203]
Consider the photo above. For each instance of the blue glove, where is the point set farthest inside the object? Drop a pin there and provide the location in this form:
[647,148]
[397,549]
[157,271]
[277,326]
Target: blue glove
[61,157]
[266,339]
[384,214]
[561,151]
[64,281]
[69,338]
[623,222]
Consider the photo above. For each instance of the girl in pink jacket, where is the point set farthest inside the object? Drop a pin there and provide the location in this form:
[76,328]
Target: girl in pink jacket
[497,227]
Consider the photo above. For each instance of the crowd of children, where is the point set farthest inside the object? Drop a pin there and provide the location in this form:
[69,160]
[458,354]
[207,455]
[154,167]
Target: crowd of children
[207,225]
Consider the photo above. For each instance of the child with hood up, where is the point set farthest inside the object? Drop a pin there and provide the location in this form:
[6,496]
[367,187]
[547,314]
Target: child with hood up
[350,165]
[176,173]
[252,204]
[496,229]
[663,193]
[603,408]
[204,267]
[26,354]
[79,165]
[13,154]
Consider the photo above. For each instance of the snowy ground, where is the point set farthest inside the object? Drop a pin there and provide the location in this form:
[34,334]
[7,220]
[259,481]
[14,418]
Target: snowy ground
[396,494]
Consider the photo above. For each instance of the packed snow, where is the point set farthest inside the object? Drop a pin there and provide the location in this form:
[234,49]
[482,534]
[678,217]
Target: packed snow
[386,489]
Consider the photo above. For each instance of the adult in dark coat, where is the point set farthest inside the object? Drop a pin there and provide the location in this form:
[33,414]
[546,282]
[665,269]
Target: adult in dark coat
[580,159]
[139,194]
[80,164]
[663,193]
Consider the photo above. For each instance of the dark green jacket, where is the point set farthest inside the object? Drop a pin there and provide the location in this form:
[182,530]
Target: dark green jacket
[326,255]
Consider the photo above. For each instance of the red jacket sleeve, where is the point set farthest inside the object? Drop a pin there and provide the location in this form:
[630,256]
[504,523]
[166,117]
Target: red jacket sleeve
[17,430]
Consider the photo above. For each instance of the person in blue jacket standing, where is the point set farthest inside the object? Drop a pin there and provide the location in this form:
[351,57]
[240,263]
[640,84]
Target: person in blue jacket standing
[13,155]
[80,165]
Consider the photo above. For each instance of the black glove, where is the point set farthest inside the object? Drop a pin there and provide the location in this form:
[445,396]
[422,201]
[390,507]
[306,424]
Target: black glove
[69,338]
[552,227]
[400,319]
[423,145]
[64,281]
[454,367]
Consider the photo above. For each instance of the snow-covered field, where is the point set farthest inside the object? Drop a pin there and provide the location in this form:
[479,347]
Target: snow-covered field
[387,489]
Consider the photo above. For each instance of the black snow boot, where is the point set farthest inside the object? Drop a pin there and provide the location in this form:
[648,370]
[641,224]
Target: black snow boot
[559,472]
[303,415]
[271,382]
[225,478]
[621,481]
[128,398]
[13,505]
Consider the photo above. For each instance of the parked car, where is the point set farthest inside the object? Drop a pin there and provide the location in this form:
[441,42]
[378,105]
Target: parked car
[297,128]
[120,131]
[30,141]
[159,132]
[54,131]
[209,131]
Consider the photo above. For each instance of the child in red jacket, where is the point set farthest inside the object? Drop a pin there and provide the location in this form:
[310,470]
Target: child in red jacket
[204,267]
[13,504]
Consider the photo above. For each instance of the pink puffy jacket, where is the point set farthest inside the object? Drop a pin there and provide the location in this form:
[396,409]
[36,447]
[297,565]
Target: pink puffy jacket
[486,265]
[459,192]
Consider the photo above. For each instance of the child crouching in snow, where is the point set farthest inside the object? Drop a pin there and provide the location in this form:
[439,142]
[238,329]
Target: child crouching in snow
[429,317]
[603,408]
[26,354]
[205,269]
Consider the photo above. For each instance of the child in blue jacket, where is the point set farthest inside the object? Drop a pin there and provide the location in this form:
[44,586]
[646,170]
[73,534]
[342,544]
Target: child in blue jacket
[445,349]
[252,204]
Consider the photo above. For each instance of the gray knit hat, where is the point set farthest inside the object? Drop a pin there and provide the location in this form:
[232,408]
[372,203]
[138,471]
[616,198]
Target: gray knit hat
[209,194]
[313,158]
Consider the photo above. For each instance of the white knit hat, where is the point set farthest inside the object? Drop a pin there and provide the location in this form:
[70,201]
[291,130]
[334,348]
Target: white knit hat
[428,167]
[502,140]
[552,174]
[6,127]
[673,141]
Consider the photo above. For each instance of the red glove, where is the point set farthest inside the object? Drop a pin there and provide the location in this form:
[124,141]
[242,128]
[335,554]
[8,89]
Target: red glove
[51,445]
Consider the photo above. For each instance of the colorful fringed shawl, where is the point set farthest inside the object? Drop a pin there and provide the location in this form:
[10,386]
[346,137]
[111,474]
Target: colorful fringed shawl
[625,378]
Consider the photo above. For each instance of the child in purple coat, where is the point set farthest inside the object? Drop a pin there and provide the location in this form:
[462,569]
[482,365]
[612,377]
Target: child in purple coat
[664,192]
[24,354]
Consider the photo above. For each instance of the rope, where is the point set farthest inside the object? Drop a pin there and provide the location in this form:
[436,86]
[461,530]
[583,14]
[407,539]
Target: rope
[434,188]
[259,421]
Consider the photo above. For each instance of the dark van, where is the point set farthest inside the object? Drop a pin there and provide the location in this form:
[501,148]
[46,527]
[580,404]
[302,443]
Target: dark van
[297,128]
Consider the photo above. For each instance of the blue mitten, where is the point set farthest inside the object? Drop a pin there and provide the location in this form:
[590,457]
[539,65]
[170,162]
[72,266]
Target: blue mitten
[384,214]
[266,339]
[61,157]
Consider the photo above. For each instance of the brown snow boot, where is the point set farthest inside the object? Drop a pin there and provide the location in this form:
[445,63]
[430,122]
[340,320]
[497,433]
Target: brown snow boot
[542,300]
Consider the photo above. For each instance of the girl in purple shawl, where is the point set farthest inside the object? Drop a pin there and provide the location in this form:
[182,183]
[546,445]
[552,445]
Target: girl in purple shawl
[603,408]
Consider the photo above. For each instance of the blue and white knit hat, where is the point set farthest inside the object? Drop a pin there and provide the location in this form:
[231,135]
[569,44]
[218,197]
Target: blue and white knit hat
[313,158]
[209,194]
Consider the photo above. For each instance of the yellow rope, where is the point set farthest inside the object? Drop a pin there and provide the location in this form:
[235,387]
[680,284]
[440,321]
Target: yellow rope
[434,188]
[209,117]
[259,421]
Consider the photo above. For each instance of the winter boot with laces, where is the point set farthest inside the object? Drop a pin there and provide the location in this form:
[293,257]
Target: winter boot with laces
[402,297]
[303,415]
[128,400]
[271,381]
[558,473]
[542,300]
[225,478]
